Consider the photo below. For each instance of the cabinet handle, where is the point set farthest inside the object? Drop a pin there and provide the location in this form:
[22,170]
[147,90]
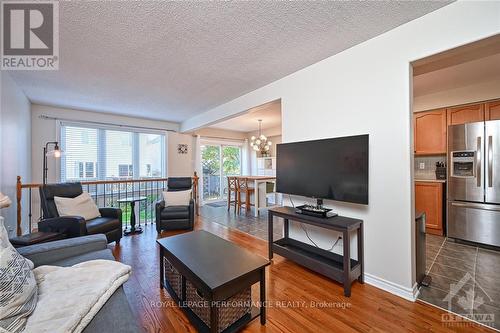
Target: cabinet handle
[476,206]
[478,162]
[490,161]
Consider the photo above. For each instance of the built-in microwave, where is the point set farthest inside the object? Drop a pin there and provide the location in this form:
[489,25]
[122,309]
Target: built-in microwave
[463,164]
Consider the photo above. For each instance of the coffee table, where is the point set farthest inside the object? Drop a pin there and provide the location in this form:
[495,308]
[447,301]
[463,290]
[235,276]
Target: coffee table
[216,267]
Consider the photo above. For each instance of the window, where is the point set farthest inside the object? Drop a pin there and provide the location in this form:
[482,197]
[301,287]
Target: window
[80,148]
[89,170]
[218,161]
[119,154]
[125,170]
[104,153]
[85,137]
[150,164]
[79,169]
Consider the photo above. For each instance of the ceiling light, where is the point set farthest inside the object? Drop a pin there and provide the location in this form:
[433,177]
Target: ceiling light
[260,143]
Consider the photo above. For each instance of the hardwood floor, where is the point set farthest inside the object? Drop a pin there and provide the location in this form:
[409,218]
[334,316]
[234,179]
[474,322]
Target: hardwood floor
[299,300]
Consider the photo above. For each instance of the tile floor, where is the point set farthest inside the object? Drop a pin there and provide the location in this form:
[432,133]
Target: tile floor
[246,222]
[465,280]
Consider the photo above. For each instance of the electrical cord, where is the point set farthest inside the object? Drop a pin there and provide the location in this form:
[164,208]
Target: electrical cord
[310,239]
[307,233]
[334,244]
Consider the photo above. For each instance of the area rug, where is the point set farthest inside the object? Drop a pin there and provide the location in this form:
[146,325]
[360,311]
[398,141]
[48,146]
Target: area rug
[217,204]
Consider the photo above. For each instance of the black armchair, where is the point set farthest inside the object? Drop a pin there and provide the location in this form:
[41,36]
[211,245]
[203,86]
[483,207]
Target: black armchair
[109,223]
[175,217]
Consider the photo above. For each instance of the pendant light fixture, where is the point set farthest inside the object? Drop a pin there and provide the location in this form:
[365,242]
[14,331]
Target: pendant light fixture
[260,143]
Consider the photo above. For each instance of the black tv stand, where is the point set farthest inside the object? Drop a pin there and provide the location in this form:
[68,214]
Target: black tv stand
[339,268]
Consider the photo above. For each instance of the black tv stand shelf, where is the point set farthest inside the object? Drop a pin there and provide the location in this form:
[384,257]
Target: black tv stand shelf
[327,263]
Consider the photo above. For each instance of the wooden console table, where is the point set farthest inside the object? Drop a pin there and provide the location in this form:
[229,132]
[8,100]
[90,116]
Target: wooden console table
[329,264]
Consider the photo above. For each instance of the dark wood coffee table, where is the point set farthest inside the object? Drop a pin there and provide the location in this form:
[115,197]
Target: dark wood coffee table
[218,268]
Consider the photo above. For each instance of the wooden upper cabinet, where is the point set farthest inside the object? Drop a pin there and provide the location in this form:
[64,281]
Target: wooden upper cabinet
[492,110]
[429,199]
[430,132]
[466,114]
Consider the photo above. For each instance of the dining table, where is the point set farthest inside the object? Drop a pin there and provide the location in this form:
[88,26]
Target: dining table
[257,180]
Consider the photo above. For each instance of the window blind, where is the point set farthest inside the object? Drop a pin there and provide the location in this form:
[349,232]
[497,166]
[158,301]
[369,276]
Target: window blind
[80,146]
[94,153]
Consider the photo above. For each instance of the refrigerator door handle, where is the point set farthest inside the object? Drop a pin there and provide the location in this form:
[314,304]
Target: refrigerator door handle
[476,206]
[478,162]
[489,151]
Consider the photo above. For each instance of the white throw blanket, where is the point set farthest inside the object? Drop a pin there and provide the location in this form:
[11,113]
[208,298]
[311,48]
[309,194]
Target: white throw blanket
[69,297]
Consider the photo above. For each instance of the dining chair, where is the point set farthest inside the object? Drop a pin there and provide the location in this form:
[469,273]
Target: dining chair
[243,188]
[232,190]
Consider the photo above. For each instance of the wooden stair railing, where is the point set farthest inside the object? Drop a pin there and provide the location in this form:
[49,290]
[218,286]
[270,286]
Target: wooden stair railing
[105,183]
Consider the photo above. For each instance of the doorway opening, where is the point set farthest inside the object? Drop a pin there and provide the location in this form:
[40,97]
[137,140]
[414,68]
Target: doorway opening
[240,153]
[456,114]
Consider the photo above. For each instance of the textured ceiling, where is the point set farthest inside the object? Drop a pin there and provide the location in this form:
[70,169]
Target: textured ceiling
[269,113]
[173,60]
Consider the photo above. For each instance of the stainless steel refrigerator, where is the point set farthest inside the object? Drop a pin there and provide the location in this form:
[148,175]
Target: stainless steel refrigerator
[474,182]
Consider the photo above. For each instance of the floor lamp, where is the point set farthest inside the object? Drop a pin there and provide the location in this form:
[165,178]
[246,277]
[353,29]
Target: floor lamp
[56,152]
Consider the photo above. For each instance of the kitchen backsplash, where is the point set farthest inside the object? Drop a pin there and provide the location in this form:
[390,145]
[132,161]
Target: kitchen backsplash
[429,164]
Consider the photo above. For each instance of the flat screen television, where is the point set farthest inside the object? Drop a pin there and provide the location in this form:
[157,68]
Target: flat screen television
[335,169]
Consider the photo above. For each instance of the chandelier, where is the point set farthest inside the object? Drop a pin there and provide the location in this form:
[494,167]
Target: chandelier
[260,143]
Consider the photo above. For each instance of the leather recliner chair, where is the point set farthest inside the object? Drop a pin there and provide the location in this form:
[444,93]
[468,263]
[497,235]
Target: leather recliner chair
[109,223]
[175,217]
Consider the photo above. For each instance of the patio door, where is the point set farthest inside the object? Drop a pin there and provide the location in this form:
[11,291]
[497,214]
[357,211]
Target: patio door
[218,161]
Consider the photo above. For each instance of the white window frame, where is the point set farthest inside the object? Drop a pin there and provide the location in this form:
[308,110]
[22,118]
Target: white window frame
[101,158]
[221,143]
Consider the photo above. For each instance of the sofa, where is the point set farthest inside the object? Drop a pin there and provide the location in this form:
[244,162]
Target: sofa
[175,217]
[115,315]
[109,223]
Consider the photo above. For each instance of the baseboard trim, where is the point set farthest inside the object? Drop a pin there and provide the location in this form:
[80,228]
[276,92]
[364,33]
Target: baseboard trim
[416,291]
[409,294]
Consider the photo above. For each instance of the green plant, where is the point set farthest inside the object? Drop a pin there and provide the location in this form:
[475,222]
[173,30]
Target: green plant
[231,160]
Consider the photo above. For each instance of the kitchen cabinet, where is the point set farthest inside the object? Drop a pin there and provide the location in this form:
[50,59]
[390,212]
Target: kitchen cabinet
[430,132]
[492,110]
[429,199]
[465,114]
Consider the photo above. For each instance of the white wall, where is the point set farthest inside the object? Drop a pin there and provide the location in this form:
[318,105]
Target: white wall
[15,144]
[462,95]
[180,165]
[45,130]
[366,89]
